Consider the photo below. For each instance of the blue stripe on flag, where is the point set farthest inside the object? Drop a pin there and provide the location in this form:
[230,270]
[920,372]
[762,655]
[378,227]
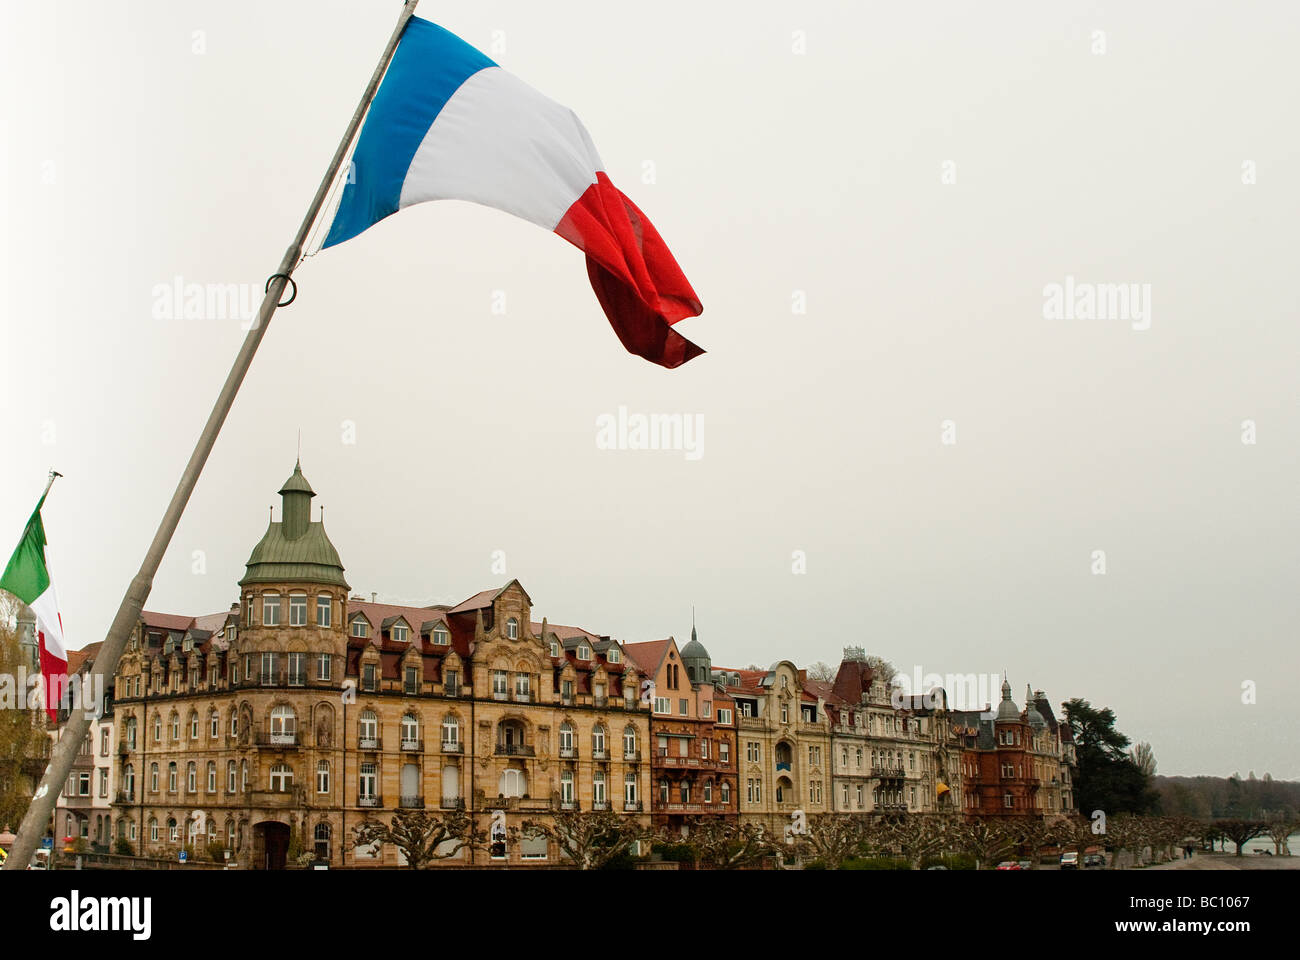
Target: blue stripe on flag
[429,66]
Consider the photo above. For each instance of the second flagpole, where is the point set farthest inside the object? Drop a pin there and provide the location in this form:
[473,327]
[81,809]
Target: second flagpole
[128,614]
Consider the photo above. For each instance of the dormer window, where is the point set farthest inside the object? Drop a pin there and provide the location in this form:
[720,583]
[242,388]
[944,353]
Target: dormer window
[584,651]
[359,627]
[512,629]
[440,636]
[399,632]
[555,647]
[612,654]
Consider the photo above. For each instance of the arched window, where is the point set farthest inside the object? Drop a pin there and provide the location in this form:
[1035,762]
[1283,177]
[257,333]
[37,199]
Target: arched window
[194,725]
[130,733]
[566,787]
[629,742]
[281,778]
[724,791]
[176,725]
[153,830]
[322,838]
[410,732]
[191,777]
[153,778]
[566,740]
[598,742]
[128,781]
[323,776]
[599,799]
[514,783]
[171,777]
[212,776]
[214,725]
[708,791]
[243,775]
[685,791]
[284,725]
[157,728]
[512,629]
[450,731]
[629,787]
[368,731]
[230,776]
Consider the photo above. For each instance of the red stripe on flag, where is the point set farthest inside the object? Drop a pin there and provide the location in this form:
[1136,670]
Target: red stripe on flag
[51,668]
[638,283]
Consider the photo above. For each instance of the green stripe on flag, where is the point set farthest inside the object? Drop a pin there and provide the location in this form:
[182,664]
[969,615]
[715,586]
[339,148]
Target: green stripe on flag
[26,577]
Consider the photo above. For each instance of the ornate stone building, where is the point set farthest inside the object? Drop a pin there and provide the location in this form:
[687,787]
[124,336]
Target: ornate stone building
[692,733]
[1018,763]
[272,729]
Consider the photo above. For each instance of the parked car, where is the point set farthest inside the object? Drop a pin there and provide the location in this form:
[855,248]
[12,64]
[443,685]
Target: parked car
[1009,865]
[1095,860]
[1070,860]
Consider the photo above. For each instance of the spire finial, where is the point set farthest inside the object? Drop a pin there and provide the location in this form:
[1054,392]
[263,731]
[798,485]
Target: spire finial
[298,465]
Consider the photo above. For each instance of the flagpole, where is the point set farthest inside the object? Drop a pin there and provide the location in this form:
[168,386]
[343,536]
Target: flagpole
[104,667]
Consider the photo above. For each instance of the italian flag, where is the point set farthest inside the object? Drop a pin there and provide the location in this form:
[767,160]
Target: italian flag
[28,578]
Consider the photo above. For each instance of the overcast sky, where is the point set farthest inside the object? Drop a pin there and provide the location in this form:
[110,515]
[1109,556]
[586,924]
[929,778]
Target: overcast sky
[790,154]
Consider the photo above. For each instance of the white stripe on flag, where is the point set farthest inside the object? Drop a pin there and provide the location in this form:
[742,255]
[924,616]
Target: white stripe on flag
[46,608]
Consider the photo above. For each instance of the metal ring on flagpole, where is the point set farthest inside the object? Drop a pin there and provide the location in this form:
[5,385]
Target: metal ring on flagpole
[289,280]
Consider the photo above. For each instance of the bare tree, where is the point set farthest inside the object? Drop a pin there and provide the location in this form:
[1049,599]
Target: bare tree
[1281,824]
[23,743]
[830,837]
[1240,832]
[589,839]
[822,672]
[1144,758]
[422,837]
[726,845]
[987,840]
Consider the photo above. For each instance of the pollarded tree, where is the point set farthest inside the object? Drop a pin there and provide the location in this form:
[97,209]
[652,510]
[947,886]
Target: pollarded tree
[831,838]
[422,837]
[726,845]
[1240,832]
[589,839]
[918,835]
[1281,824]
[987,840]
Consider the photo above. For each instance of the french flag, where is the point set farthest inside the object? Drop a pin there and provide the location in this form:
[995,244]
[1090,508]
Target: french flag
[447,123]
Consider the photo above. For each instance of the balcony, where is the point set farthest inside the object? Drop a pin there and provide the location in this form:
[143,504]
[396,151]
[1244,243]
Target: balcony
[372,744]
[277,739]
[891,808]
[524,697]
[369,801]
[568,804]
[273,798]
[600,804]
[500,695]
[413,746]
[449,746]
[888,773]
[601,754]
[124,796]
[687,808]
[568,753]
[452,803]
[515,750]
[451,690]
[632,756]
[411,803]
[632,806]
[600,702]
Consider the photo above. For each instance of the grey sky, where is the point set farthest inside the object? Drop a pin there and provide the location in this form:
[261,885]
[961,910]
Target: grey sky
[128,159]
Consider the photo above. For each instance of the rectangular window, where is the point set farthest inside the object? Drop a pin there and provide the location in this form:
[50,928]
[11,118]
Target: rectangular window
[500,685]
[682,706]
[724,752]
[324,610]
[451,683]
[399,632]
[103,742]
[271,610]
[323,666]
[268,667]
[368,677]
[662,705]
[83,784]
[298,610]
[724,716]
[297,669]
[412,684]
[103,781]
[566,690]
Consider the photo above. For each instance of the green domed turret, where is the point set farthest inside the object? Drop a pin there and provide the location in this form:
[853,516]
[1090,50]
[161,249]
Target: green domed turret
[295,550]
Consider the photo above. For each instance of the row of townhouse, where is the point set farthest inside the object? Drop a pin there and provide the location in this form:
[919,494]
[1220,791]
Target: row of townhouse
[270,730]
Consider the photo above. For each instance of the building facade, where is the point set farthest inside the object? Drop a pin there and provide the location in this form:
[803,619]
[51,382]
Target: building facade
[272,729]
[692,734]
